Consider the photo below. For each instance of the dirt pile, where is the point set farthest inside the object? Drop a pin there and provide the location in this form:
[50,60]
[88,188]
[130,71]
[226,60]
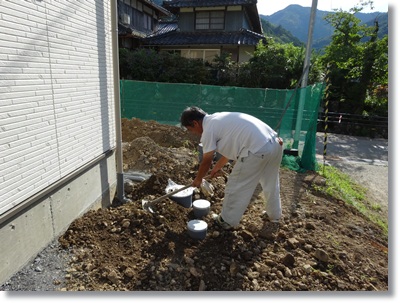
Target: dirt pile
[321,244]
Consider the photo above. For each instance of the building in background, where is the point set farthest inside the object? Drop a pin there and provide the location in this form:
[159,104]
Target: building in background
[197,29]
[136,20]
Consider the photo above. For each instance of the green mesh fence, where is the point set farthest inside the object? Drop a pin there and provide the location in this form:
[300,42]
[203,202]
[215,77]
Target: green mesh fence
[164,103]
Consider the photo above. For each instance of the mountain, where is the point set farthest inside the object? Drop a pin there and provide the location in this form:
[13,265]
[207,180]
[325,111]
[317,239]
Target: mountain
[295,19]
[279,34]
[383,24]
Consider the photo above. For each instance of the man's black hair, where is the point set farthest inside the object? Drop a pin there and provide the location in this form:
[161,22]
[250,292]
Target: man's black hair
[190,114]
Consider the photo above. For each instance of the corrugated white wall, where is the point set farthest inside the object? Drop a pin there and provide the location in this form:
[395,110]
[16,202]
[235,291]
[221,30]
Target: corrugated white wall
[56,92]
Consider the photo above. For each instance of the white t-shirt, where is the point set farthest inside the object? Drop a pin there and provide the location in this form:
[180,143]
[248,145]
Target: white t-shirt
[234,134]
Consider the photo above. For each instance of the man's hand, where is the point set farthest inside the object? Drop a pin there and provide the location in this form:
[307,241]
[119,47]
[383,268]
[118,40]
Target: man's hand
[197,182]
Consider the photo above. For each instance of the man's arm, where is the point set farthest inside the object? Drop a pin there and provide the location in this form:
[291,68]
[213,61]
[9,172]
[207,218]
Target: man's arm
[203,168]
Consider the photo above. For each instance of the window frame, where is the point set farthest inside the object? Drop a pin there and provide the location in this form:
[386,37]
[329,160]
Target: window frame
[207,55]
[147,22]
[209,20]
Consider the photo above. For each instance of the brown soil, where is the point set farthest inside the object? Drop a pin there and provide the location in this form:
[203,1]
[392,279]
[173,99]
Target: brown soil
[321,243]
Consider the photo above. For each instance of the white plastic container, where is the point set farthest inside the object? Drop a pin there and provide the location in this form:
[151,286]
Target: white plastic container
[197,229]
[201,208]
[184,197]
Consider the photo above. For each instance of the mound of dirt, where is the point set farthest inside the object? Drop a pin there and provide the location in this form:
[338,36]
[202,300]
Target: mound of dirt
[321,244]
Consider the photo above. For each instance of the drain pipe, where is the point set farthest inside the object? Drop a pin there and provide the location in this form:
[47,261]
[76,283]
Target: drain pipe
[117,102]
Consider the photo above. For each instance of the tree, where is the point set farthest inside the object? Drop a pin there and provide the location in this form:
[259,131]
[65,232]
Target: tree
[270,67]
[224,70]
[150,65]
[356,67]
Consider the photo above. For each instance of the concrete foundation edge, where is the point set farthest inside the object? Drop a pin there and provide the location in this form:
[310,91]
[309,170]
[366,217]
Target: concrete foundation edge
[27,233]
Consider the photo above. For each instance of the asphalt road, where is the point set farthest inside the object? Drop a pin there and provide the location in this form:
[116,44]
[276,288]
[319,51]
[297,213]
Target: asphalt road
[364,159]
[354,149]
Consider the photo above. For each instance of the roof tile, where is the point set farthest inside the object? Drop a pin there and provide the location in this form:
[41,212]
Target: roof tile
[200,3]
[242,37]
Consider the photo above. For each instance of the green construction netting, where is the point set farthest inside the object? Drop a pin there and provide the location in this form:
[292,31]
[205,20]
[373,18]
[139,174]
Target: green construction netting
[164,103]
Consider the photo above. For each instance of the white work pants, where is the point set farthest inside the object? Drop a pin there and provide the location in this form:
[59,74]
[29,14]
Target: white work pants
[263,168]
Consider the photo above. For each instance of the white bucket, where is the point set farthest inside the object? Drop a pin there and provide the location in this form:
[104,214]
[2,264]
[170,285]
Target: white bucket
[184,197]
[197,229]
[201,208]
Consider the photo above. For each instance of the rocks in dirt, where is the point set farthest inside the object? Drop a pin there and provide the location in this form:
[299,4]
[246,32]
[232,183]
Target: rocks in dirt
[202,285]
[143,154]
[319,245]
[288,260]
[321,255]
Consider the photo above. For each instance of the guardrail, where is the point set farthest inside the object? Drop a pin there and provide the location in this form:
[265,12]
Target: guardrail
[354,125]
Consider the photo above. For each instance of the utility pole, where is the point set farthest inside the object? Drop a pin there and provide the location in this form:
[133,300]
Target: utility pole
[306,70]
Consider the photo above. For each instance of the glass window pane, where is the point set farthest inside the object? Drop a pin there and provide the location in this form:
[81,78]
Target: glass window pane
[209,55]
[202,20]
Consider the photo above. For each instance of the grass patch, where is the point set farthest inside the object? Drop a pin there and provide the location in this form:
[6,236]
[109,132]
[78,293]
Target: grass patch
[339,185]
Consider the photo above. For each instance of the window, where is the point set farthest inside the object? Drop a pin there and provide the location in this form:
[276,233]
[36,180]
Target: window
[210,20]
[204,54]
[147,21]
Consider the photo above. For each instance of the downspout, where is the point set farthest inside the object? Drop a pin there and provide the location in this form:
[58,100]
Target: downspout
[117,102]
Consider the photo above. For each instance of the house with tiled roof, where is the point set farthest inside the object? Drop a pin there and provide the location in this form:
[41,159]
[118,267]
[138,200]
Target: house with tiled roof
[136,20]
[206,28]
